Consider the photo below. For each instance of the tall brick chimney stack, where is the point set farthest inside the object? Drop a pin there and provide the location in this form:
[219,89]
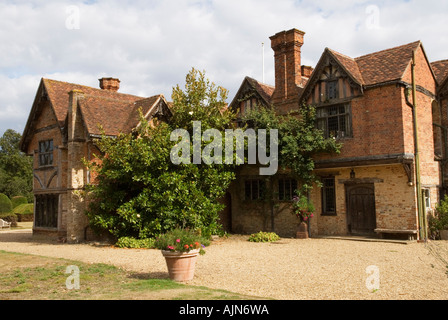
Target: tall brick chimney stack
[288,69]
[111,84]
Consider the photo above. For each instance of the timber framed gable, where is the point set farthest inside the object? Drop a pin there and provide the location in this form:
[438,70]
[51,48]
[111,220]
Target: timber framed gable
[331,82]
[250,94]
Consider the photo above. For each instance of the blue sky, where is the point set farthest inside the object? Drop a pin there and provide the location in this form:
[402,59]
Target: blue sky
[151,45]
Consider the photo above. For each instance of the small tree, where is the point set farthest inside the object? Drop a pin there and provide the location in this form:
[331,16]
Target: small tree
[16,170]
[140,192]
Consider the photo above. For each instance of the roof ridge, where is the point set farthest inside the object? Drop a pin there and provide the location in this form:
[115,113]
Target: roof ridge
[358,77]
[153,96]
[389,49]
[260,83]
[438,61]
[92,88]
[341,54]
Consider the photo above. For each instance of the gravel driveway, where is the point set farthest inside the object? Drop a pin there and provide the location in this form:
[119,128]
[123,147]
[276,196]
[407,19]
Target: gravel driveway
[290,269]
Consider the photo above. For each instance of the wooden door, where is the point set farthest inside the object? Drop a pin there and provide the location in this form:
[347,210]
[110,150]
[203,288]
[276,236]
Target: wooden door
[361,217]
[225,216]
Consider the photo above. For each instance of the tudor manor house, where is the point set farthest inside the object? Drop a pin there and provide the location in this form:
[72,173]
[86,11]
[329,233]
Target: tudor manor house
[382,183]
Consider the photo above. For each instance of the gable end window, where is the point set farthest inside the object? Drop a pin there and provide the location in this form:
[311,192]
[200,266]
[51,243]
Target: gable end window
[335,120]
[46,153]
[332,90]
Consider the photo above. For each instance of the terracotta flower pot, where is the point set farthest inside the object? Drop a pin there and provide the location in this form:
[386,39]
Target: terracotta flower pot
[181,264]
[302,232]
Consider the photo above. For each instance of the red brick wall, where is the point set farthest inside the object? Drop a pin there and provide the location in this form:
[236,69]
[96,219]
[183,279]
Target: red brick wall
[288,69]
[44,125]
[377,125]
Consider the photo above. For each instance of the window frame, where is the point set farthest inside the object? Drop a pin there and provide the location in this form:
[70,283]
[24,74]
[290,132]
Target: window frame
[426,198]
[286,183]
[257,189]
[45,152]
[323,114]
[324,194]
[332,89]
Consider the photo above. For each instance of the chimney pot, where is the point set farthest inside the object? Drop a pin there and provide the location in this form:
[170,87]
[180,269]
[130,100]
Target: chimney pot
[307,71]
[110,84]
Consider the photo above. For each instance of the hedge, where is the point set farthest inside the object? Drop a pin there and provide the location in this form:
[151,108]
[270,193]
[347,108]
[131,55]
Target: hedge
[18,200]
[5,203]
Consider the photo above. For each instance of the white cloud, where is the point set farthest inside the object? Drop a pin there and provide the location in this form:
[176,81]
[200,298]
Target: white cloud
[151,45]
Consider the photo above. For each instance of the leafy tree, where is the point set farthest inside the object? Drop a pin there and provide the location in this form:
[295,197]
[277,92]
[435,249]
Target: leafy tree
[299,141]
[16,171]
[140,192]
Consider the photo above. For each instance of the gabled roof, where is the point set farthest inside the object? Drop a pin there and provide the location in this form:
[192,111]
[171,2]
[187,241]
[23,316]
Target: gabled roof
[264,91]
[349,64]
[113,115]
[378,67]
[58,95]
[386,65]
[440,69]
[115,112]
[371,69]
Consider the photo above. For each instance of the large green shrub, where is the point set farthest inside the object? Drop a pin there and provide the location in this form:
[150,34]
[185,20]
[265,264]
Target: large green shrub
[24,212]
[5,204]
[440,220]
[24,209]
[18,200]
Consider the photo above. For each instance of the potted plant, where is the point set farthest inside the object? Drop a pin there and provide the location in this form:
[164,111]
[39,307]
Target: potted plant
[303,209]
[180,248]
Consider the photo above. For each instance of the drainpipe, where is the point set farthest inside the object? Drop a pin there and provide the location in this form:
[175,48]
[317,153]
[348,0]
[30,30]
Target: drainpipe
[413,105]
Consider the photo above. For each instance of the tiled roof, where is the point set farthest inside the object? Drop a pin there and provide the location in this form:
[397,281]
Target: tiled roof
[386,65]
[440,69]
[115,112]
[263,89]
[349,64]
[58,95]
[371,69]
[113,115]
[378,67]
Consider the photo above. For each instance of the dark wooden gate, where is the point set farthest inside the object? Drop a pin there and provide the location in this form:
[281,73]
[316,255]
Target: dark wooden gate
[361,217]
[47,210]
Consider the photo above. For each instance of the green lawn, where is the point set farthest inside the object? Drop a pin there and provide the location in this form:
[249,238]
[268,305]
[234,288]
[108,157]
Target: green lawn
[31,277]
